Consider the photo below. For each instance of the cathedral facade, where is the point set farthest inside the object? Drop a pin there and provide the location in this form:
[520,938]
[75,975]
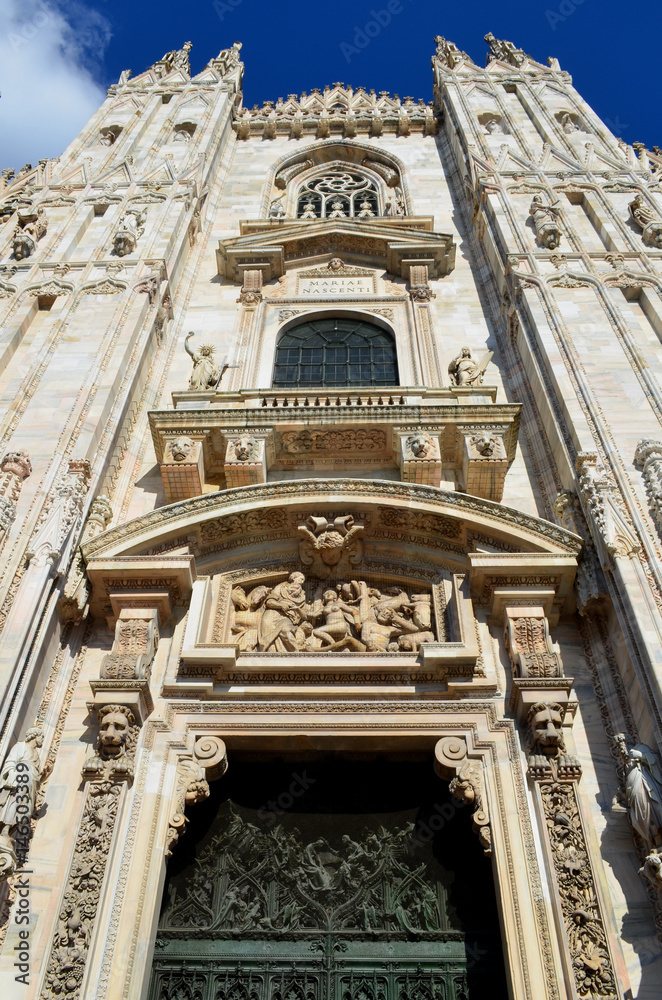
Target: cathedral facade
[330,514]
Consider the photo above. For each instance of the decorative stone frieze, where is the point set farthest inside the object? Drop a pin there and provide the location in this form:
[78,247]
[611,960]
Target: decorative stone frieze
[72,606]
[15,467]
[649,456]
[336,110]
[316,431]
[545,221]
[78,910]
[452,761]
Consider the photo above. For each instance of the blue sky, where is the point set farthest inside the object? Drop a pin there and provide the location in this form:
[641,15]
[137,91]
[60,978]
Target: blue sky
[57,58]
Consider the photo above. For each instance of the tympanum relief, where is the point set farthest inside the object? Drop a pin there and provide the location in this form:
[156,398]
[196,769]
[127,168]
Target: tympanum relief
[298,616]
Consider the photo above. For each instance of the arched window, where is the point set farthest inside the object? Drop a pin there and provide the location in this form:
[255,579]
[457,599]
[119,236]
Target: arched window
[338,194]
[335,352]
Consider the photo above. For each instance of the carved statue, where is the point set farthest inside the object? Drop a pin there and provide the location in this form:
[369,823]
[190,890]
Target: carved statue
[31,227]
[464,370]
[19,784]
[644,216]
[181,448]
[327,548]
[545,220]
[129,230]
[276,210]
[206,374]
[643,789]
[353,616]
[569,124]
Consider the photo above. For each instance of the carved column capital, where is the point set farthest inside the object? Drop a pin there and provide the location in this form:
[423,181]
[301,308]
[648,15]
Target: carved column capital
[531,650]
[452,763]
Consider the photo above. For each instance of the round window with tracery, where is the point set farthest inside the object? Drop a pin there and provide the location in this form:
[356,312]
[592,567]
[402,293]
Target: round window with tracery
[338,194]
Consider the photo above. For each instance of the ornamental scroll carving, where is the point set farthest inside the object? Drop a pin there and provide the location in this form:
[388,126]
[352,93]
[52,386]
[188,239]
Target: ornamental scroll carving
[330,442]
[209,760]
[327,548]
[299,617]
[532,652]
[134,648]
[451,761]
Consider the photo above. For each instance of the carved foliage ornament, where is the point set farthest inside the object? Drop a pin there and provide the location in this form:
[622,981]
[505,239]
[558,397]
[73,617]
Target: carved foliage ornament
[531,650]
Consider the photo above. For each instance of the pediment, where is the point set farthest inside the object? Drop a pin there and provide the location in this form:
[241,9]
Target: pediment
[409,560]
[272,248]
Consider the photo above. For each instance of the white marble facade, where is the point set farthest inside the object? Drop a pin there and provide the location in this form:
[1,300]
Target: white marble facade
[157,492]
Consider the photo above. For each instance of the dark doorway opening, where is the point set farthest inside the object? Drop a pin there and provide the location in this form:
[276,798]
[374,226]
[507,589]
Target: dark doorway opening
[329,879]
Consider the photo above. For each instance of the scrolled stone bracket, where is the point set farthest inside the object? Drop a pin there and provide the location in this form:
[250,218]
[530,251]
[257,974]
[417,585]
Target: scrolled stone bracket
[208,762]
[452,763]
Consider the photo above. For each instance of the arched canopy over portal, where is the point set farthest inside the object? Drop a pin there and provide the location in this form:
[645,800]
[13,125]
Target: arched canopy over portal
[334,567]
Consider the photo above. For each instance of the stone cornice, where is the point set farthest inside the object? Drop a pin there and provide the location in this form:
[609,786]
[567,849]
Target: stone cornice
[524,531]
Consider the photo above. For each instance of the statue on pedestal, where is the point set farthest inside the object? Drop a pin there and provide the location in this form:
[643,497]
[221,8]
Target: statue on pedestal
[19,784]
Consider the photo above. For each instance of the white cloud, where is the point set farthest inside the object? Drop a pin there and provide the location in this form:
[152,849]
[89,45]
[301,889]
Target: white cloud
[48,88]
